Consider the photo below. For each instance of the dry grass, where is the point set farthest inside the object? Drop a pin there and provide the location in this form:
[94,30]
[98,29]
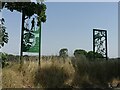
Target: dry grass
[55,73]
[0,77]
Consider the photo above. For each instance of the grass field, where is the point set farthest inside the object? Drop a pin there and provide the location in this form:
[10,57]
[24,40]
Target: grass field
[56,72]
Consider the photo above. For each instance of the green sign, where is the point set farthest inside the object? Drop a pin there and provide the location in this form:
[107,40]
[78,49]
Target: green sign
[31,41]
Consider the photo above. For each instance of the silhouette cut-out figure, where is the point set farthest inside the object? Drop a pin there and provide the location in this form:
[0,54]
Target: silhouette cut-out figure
[33,23]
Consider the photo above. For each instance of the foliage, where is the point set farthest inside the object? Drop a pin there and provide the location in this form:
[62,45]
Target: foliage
[92,55]
[79,52]
[3,33]
[4,58]
[98,55]
[28,8]
[63,53]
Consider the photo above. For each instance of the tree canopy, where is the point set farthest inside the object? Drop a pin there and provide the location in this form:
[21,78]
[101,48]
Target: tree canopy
[79,52]
[94,55]
[63,52]
[90,54]
[28,8]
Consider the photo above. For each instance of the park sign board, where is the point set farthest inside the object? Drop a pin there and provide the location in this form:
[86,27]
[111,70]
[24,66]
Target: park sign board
[31,41]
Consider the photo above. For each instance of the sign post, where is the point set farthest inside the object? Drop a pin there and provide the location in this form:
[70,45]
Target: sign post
[30,36]
[22,32]
[39,42]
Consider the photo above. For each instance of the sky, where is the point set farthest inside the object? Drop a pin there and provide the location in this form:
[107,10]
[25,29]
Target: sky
[69,25]
[78,0]
[118,30]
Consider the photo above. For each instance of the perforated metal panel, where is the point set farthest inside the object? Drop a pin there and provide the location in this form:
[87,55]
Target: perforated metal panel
[100,42]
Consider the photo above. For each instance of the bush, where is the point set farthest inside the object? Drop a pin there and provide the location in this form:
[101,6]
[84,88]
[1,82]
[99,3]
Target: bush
[93,56]
[4,58]
[63,53]
[79,52]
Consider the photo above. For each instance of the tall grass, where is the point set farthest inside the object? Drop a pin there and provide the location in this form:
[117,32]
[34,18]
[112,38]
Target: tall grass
[97,73]
[54,74]
[57,73]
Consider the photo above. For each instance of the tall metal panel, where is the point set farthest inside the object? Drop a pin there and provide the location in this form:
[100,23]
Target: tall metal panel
[100,42]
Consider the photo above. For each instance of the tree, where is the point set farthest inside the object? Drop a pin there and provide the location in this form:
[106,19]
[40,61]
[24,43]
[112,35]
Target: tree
[63,53]
[3,33]
[92,55]
[28,8]
[79,52]
[98,55]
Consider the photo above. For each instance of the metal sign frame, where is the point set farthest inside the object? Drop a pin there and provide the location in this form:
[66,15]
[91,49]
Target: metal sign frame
[100,42]
[22,37]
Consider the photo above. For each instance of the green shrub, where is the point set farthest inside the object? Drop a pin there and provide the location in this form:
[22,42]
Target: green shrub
[4,58]
[93,56]
[63,53]
[79,52]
